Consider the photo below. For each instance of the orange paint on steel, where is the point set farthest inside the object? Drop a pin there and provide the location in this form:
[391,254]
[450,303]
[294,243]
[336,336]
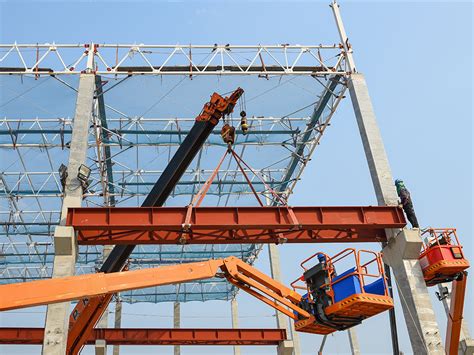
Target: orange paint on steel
[360,305]
[84,314]
[263,287]
[35,293]
[54,290]
[453,331]
[227,225]
[133,336]
[442,256]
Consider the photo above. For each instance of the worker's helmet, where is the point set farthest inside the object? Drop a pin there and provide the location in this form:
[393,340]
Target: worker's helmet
[400,186]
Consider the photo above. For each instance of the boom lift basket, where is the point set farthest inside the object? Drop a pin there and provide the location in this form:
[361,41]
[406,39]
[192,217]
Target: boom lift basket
[441,258]
[338,302]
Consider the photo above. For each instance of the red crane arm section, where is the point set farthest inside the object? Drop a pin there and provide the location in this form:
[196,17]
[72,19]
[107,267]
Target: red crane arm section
[219,106]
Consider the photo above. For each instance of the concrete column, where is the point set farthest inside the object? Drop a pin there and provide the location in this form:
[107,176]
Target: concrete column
[177,323]
[57,315]
[285,347]
[235,321]
[372,141]
[101,344]
[466,343]
[353,342]
[118,321]
[296,338]
[399,254]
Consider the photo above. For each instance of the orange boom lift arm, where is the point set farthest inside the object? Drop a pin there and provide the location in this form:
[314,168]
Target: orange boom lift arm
[239,273]
[332,302]
[442,260]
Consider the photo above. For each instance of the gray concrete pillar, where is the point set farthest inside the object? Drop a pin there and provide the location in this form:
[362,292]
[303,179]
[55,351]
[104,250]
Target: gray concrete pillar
[296,338]
[100,344]
[401,253]
[235,321]
[177,323]
[57,315]
[416,304]
[118,321]
[287,346]
[372,141]
[353,342]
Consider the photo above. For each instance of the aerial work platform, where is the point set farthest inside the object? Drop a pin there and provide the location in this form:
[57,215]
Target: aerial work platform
[332,302]
[442,258]
[340,301]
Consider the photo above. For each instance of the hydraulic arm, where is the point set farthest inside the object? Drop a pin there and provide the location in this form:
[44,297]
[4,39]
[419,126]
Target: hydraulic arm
[239,273]
[442,260]
[331,302]
[87,312]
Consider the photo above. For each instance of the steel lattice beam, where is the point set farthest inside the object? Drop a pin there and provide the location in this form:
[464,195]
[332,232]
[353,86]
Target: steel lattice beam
[141,59]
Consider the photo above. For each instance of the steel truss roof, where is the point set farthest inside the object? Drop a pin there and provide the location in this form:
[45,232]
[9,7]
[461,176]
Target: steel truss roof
[127,152]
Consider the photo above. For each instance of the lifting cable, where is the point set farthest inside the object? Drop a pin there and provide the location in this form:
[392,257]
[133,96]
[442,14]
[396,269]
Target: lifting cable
[200,195]
[198,198]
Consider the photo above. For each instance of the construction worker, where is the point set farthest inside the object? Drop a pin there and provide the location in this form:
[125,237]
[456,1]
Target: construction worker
[407,203]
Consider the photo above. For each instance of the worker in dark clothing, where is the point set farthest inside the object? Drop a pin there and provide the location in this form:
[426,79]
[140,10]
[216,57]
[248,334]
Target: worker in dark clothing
[407,203]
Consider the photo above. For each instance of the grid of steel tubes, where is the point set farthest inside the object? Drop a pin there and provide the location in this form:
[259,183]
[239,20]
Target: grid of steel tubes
[128,151]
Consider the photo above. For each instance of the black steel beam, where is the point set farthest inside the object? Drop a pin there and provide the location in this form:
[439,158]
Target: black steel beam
[164,186]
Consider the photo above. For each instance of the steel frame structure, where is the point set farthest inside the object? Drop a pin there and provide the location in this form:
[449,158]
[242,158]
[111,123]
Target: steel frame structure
[25,240]
[27,248]
[158,59]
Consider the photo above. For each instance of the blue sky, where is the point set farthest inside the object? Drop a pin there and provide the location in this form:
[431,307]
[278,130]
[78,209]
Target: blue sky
[417,59]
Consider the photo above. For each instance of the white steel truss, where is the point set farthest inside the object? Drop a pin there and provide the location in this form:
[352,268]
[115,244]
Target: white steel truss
[192,60]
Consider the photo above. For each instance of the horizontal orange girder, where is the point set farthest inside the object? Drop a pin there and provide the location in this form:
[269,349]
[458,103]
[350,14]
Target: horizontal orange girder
[226,225]
[130,336]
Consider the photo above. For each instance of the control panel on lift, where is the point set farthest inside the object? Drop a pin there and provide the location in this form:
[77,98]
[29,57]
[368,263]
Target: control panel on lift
[338,301]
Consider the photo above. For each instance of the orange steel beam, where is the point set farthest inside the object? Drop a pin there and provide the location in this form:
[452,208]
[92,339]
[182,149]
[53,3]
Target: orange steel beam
[453,331]
[132,336]
[227,225]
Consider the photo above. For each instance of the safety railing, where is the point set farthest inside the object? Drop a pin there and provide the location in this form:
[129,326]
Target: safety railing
[442,237]
[360,271]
